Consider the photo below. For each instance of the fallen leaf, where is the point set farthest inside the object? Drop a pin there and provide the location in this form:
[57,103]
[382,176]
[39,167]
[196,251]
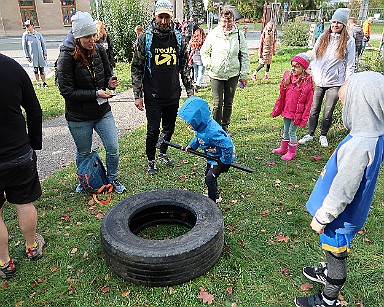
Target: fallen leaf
[206,297]
[91,202]
[306,287]
[125,293]
[286,271]
[105,289]
[71,290]
[73,251]
[32,295]
[269,163]
[263,230]
[85,255]
[66,217]
[5,285]
[281,238]
[99,215]
[229,290]
[171,290]
[230,227]
[19,304]
[316,158]
[265,212]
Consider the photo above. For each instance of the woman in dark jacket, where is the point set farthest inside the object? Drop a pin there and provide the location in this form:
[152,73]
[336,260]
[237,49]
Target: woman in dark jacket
[83,75]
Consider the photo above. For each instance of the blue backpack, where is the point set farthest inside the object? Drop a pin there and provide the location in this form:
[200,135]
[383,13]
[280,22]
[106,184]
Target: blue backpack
[93,177]
[148,44]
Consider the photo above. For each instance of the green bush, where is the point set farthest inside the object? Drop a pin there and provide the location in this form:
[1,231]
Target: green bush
[295,33]
[123,16]
[372,61]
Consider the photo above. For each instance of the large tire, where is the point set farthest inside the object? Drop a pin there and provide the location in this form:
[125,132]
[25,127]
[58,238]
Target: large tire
[162,262]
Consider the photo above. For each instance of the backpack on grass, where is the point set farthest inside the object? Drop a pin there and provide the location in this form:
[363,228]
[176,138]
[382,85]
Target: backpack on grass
[93,177]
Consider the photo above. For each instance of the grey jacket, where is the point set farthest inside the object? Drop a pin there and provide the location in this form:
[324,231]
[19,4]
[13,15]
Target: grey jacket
[34,48]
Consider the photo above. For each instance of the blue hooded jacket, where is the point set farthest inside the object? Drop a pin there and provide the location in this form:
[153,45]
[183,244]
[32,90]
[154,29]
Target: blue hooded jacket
[209,134]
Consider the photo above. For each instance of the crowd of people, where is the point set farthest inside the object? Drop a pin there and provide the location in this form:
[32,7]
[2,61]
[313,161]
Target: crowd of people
[167,52]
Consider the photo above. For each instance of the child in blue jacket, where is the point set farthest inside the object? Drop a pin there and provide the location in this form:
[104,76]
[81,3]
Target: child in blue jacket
[342,196]
[211,137]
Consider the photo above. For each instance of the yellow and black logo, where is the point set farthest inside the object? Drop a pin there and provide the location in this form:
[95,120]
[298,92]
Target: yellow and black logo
[165,56]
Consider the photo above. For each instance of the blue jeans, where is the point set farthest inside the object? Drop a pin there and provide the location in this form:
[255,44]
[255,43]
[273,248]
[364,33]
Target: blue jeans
[198,73]
[289,130]
[106,129]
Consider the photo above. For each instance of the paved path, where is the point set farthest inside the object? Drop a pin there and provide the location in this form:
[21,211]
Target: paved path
[58,147]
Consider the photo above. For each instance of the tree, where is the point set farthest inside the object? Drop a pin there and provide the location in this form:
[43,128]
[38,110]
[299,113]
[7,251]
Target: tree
[121,17]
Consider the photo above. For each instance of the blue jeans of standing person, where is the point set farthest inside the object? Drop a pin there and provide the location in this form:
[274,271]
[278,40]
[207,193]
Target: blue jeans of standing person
[289,130]
[198,73]
[331,97]
[105,127]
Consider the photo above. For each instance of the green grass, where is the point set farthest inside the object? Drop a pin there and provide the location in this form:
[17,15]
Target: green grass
[258,209]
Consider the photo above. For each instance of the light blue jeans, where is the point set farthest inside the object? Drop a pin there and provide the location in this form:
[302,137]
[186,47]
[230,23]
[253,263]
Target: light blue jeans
[198,73]
[106,128]
[289,130]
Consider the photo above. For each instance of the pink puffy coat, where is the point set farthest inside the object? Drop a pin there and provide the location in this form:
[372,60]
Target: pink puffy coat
[294,101]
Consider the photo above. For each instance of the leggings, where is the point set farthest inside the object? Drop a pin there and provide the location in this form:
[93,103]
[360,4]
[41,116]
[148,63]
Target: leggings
[331,97]
[289,130]
[261,66]
[336,275]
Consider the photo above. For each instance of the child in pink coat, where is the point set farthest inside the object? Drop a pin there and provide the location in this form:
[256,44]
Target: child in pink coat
[294,104]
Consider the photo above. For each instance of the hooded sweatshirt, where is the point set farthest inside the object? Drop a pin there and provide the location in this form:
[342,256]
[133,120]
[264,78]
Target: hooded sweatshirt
[209,134]
[343,194]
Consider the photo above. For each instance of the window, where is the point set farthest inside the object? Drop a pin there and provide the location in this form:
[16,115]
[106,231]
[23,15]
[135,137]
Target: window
[68,9]
[28,11]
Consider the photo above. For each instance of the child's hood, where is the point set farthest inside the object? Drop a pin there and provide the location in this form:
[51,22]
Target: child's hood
[195,111]
[363,110]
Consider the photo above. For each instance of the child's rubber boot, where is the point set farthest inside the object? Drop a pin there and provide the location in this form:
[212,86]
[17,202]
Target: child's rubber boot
[291,154]
[283,149]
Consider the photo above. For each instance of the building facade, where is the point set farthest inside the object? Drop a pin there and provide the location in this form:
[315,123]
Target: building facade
[51,17]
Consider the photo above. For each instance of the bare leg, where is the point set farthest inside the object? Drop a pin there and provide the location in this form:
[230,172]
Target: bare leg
[4,252]
[27,214]
[37,77]
[42,78]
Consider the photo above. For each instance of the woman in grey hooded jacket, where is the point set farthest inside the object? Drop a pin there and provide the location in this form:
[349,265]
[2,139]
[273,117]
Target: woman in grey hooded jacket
[334,63]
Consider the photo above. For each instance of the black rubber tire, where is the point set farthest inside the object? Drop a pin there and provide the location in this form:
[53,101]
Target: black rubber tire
[162,262]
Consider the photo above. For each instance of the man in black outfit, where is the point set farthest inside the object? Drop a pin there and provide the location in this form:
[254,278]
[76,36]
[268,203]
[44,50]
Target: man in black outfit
[158,82]
[19,181]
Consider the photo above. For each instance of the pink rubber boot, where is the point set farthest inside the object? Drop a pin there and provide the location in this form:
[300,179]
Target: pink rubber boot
[291,154]
[283,149]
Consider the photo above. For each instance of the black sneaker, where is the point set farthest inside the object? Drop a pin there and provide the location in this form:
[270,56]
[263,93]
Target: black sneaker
[163,158]
[45,84]
[36,252]
[7,270]
[118,186]
[314,301]
[152,169]
[316,274]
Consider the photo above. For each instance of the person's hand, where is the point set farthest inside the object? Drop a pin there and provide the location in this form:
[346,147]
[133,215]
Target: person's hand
[113,82]
[103,94]
[187,148]
[244,81]
[45,57]
[29,59]
[139,103]
[316,226]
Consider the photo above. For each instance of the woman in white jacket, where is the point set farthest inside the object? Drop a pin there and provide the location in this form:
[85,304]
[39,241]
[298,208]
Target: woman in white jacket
[225,57]
[334,63]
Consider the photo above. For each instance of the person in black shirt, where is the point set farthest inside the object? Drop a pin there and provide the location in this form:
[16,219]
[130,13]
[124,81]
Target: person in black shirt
[19,180]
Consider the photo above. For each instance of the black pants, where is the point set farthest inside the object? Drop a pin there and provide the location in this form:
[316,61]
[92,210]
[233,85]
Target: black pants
[156,114]
[211,181]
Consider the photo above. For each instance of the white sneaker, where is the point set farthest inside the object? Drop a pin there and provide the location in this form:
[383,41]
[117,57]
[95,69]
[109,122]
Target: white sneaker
[323,141]
[305,139]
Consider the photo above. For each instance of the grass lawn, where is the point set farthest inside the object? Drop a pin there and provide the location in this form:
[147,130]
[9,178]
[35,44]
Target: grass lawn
[267,235]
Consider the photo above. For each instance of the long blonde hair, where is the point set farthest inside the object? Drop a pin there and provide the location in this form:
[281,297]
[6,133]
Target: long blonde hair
[325,39]
[101,33]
